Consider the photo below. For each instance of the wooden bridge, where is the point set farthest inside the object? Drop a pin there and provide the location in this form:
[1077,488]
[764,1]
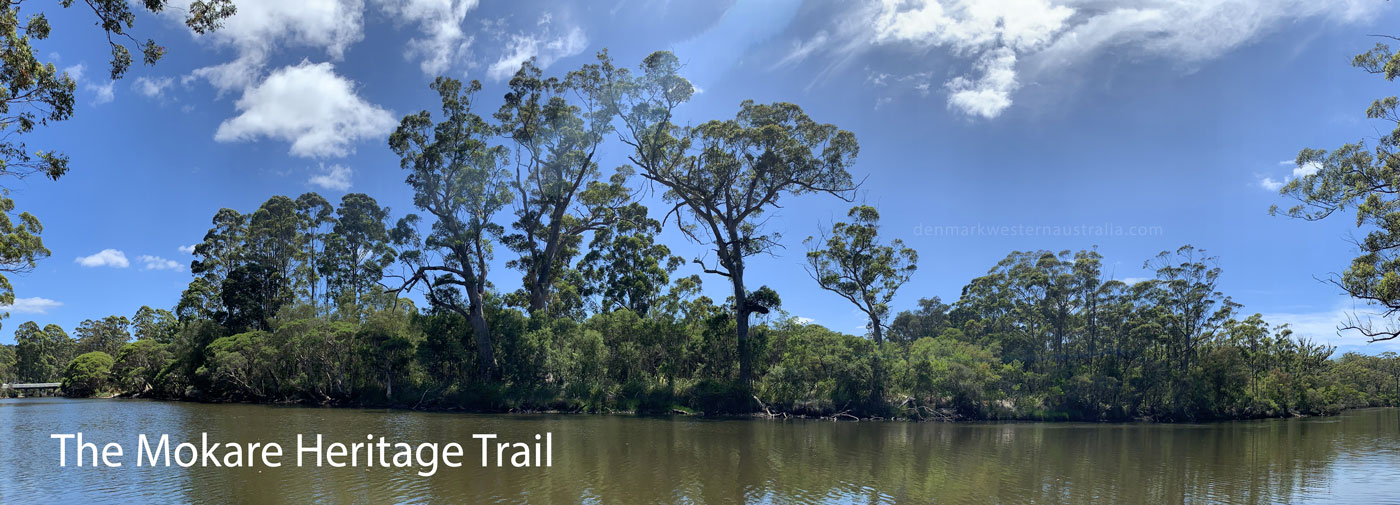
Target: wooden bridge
[33,388]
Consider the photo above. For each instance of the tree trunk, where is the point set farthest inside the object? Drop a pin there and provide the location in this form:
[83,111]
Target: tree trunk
[539,288]
[485,355]
[877,331]
[741,324]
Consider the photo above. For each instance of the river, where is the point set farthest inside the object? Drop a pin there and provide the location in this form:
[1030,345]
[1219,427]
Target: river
[1351,458]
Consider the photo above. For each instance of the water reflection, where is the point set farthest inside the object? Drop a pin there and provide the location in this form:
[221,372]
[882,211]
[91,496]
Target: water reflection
[615,459]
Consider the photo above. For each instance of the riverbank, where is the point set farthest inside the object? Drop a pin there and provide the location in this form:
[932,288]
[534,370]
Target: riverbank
[761,411]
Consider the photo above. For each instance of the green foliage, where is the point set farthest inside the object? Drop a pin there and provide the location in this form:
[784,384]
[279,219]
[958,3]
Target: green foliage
[139,363]
[106,335]
[723,175]
[557,127]
[458,178]
[88,374]
[21,248]
[817,371]
[851,262]
[1362,178]
[41,355]
[8,369]
[946,372]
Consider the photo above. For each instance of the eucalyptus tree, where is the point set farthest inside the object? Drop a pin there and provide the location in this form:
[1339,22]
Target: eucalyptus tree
[106,335]
[34,93]
[358,248]
[315,223]
[557,127]
[625,267]
[723,177]
[218,255]
[42,354]
[273,239]
[159,325]
[1088,284]
[458,178]
[930,319]
[1055,276]
[1364,178]
[1191,309]
[851,262]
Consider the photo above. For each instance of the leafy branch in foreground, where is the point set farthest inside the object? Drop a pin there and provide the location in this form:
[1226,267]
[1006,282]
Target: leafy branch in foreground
[1365,179]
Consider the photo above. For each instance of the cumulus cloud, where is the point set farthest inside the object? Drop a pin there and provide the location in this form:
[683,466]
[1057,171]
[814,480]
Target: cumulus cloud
[335,177]
[104,258]
[187,249]
[32,305]
[1005,43]
[546,47]
[989,94]
[152,88]
[443,42]
[311,107]
[149,262]
[262,26]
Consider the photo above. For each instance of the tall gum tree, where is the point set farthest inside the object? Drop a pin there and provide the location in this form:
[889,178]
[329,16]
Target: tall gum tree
[557,127]
[458,179]
[722,177]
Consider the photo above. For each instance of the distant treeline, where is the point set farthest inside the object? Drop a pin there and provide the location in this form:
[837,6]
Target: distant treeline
[303,300]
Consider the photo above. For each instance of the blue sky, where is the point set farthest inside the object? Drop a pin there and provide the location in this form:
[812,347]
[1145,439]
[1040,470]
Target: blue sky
[1165,121]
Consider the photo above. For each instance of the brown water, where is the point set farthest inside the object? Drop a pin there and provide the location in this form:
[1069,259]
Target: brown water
[1352,458]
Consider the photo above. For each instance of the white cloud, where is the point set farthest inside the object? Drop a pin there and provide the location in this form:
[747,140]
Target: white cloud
[158,263]
[309,106]
[261,26]
[1306,169]
[230,76]
[151,88]
[75,72]
[335,177]
[104,258]
[989,94]
[546,48]
[32,305]
[102,93]
[443,42]
[1007,42]
[187,249]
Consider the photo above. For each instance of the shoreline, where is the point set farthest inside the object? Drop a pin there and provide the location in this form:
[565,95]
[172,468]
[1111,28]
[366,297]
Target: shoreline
[720,417]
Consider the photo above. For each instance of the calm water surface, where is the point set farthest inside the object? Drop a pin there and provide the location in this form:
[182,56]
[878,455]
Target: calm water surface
[1352,458]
